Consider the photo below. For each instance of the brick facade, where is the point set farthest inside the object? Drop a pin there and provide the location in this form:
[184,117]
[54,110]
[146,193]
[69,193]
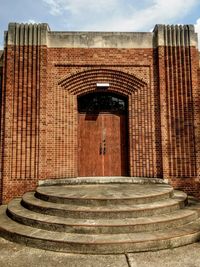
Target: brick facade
[42,78]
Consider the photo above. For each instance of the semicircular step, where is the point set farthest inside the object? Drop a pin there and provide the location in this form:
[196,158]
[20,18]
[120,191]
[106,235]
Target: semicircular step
[110,211]
[98,244]
[99,226]
[101,194]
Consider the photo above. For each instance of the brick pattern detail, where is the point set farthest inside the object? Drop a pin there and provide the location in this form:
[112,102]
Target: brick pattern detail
[1,84]
[178,68]
[23,78]
[68,79]
[177,107]
[139,111]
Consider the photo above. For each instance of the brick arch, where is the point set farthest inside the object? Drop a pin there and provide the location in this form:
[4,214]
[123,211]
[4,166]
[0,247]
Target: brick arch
[85,81]
[141,120]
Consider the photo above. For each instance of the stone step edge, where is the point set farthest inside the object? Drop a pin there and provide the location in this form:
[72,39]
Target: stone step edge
[27,217]
[116,211]
[64,199]
[92,244]
[178,198]
[102,180]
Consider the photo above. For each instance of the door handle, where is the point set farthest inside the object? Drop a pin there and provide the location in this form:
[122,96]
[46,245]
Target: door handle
[104,146]
[100,149]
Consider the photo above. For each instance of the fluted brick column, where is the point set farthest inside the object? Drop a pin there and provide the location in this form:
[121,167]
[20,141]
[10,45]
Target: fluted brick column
[177,69]
[24,68]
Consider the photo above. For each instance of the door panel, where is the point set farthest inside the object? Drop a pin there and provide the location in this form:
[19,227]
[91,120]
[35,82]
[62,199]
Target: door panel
[103,145]
[89,158]
[115,158]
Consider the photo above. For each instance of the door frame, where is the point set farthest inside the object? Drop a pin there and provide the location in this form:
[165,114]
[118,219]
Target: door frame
[126,97]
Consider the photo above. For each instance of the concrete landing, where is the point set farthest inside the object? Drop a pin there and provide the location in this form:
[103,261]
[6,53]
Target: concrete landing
[121,192]
[13,254]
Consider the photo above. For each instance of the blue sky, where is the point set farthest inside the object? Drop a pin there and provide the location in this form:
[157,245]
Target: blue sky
[100,15]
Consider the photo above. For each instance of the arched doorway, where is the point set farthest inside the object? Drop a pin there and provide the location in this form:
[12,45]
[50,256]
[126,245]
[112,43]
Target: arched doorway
[102,134]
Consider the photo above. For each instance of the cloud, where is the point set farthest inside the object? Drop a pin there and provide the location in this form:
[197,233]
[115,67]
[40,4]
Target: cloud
[117,15]
[197,29]
[76,7]
[160,11]
[32,21]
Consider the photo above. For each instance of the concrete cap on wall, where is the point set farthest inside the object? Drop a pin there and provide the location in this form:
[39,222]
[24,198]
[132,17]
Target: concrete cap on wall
[175,35]
[100,39]
[40,34]
[26,34]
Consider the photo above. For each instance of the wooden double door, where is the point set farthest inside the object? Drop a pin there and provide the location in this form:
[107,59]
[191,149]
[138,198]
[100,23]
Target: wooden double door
[102,144]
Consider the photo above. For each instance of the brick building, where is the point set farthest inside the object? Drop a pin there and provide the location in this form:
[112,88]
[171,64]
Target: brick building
[99,104]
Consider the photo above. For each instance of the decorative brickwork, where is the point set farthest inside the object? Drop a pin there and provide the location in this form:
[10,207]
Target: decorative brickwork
[43,74]
[24,63]
[178,66]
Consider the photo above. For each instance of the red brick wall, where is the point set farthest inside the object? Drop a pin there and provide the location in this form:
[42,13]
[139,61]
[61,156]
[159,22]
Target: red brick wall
[180,116]
[39,111]
[1,83]
[72,72]
[23,78]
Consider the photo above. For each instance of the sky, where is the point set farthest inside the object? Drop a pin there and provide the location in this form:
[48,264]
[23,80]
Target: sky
[100,15]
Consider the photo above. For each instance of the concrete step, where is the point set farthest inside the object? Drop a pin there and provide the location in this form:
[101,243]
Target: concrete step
[103,180]
[102,218]
[99,226]
[98,244]
[104,194]
[119,211]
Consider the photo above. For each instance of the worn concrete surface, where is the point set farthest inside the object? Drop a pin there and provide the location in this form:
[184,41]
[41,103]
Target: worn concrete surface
[16,255]
[186,256]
